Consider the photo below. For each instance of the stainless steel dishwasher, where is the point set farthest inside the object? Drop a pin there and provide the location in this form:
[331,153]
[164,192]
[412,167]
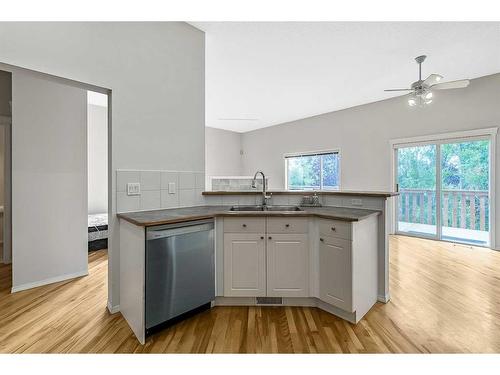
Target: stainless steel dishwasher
[180,275]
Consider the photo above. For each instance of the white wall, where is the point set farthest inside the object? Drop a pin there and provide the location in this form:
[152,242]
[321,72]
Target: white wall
[49,181]
[97,156]
[363,134]
[156,73]
[222,149]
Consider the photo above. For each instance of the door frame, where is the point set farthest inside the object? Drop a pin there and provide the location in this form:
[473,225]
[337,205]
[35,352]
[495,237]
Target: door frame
[13,69]
[467,135]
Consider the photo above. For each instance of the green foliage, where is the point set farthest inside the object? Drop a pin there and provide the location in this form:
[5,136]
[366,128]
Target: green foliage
[464,166]
[304,172]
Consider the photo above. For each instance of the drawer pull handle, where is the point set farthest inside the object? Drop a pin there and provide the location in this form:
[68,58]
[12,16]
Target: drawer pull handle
[270,238]
[261,237]
[244,225]
[334,229]
[287,225]
[322,239]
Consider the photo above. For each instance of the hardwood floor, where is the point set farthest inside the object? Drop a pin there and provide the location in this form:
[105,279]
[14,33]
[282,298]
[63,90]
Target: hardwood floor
[445,298]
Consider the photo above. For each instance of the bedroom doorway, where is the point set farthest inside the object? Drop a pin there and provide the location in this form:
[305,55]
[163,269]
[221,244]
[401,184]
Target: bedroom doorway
[5,131]
[97,159]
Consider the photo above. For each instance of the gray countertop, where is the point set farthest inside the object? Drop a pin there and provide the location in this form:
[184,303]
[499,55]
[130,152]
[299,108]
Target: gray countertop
[178,215]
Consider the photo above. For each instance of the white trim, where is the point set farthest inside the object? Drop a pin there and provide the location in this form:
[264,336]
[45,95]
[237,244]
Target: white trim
[113,309]
[493,206]
[50,280]
[444,136]
[384,299]
[310,153]
[489,134]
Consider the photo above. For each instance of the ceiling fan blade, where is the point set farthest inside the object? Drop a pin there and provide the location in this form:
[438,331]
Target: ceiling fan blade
[399,90]
[451,85]
[433,79]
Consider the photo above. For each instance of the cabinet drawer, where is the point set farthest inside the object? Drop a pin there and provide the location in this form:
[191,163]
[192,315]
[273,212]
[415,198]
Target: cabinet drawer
[333,228]
[287,225]
[245,225]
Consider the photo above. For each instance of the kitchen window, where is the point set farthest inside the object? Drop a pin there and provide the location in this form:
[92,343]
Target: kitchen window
[313,171]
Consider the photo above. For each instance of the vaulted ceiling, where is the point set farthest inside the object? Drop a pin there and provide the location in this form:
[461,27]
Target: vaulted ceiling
[259,74]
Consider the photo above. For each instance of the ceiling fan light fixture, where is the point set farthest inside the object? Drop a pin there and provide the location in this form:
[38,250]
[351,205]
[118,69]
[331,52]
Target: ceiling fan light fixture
[428,95]
[412,101]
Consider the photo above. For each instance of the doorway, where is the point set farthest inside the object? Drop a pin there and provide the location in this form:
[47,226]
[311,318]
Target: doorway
[97,170]
[445,188]
[49,147]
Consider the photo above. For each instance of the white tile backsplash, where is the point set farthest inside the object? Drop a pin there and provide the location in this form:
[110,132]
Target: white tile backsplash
[126,203]
[247,200]
[200,181]
[150,200]
[230,200]
[150,180]
[169,200]
[213,200]
[187,180]
[188,192]
[279,200]
[124,177]
[167,177]
[329,200]
[154,189]
[199,197]
[187,197]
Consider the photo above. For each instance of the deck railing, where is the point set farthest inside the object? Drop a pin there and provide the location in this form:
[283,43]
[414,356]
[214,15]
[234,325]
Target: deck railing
[467,209]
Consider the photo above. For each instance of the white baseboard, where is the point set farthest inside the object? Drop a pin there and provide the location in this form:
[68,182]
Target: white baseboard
[383,298]
[113,309]
[51,280]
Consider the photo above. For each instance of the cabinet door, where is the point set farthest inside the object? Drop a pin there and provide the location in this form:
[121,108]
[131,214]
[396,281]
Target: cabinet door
[335,272]
[287,265]
[244,265]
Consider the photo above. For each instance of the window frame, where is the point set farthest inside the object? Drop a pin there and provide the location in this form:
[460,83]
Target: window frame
[312,153]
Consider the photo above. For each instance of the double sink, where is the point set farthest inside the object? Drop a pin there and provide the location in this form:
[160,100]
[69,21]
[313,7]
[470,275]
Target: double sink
[266,208]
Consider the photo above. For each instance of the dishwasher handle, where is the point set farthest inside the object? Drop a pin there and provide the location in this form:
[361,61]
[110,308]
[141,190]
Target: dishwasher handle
[153,234]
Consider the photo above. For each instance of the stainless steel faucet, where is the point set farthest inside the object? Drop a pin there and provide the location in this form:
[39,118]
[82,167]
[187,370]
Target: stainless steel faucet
[265,197]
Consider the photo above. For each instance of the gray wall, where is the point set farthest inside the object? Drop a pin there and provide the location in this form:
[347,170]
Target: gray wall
[49,181]
[363,133]
[97,156]
[223,156]
[156,73]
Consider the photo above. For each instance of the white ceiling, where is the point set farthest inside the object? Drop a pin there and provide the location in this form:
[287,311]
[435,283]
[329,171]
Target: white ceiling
[274,72]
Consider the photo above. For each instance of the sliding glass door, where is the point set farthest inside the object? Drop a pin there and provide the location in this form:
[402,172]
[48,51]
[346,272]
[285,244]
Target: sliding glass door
[444,190]
[416,179]
[465,191]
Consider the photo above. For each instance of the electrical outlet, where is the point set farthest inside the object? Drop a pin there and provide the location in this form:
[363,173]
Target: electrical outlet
[357,202]
[133,188]
[171,187]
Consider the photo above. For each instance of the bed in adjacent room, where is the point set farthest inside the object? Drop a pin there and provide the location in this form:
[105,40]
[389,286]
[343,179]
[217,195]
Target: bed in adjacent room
[98,231]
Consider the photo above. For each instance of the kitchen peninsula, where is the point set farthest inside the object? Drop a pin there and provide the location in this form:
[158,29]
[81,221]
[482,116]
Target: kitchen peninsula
[333,257]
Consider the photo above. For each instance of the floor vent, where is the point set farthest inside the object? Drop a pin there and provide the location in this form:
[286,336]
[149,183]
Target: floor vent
[269,300]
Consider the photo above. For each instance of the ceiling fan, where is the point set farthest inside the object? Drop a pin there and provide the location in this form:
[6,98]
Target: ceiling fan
[422,90]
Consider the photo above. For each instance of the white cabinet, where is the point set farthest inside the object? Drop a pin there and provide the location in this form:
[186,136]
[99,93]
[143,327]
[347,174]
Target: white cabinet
[335,272]
[287,265]
[244,265]
[274,257]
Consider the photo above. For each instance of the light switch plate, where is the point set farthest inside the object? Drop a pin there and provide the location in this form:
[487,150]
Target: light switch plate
[171,187]
[133,188]
[357,202]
